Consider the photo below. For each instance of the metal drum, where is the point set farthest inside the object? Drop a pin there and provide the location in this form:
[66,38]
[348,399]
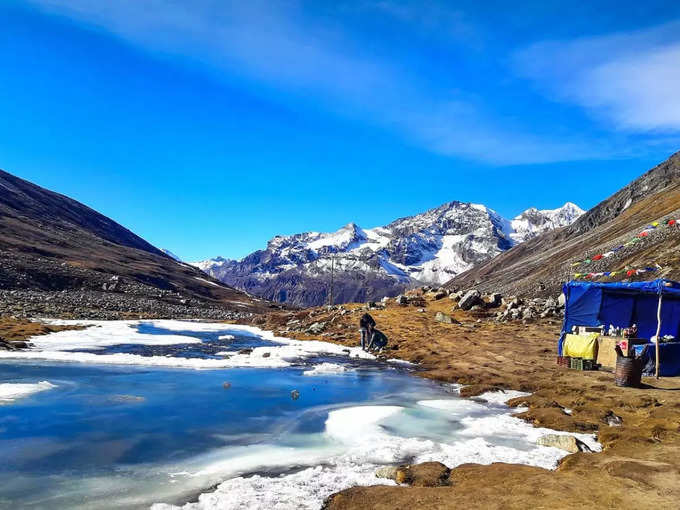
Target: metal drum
[628,372]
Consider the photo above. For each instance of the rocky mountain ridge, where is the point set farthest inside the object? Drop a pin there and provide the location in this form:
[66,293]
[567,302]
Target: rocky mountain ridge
[367,264]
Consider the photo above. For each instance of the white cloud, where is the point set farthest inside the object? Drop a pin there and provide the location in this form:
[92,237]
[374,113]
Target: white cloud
[629,80]
[278,46]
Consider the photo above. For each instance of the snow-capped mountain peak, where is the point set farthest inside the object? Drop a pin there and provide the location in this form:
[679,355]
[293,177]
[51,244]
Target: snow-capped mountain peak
[533,222]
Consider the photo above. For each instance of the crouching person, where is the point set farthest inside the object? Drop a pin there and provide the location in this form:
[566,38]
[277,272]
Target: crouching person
[378,341]
[366,326]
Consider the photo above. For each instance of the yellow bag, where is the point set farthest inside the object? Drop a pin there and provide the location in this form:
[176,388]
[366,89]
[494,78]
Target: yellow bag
[580,346]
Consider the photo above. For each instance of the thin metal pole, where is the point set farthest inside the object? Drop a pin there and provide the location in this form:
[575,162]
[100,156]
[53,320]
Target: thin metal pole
[658,332]
[330,299]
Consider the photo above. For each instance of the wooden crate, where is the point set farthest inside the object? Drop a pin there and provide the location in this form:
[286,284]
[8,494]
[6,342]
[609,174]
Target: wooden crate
[606,355]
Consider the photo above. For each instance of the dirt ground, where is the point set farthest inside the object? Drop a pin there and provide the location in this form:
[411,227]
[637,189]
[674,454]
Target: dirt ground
[640,463]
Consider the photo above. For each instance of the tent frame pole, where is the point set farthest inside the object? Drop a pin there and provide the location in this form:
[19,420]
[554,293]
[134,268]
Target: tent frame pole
[658,332]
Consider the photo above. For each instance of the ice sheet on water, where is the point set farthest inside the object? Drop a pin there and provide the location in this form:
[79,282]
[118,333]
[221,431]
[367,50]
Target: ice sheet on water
[100,334]
[368,443]
[10,392]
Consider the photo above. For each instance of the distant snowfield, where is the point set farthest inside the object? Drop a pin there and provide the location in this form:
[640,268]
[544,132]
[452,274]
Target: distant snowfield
[10,392]
[98,335]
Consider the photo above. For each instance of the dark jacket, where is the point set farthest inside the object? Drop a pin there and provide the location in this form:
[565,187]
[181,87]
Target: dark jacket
[378,339]
[366,321]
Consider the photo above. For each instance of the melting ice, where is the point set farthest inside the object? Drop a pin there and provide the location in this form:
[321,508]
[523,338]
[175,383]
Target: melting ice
[138,416]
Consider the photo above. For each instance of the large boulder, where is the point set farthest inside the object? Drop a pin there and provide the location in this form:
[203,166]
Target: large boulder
[470,299]
[493,300]
[429,474]
[387,472]
[401,300]
[457,295]
[426,474]
[563,442]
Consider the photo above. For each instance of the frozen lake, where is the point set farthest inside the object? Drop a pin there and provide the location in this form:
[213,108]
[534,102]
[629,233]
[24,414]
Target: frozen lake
[140,416]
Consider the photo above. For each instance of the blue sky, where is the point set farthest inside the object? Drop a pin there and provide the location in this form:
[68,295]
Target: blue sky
[208,127]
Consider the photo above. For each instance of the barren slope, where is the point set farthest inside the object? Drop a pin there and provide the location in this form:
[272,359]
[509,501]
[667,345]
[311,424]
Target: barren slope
[51,243]
[541,264]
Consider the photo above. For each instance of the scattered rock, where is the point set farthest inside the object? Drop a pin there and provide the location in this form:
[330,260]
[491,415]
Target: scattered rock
[316,328]
[402,300]
[295,394]
[493,300]
[613,420]
[245,351]
[226,385]
[563,442]
[266,354]
[429,474]
[388,472]
[445,318]
[440,295]
[470,299]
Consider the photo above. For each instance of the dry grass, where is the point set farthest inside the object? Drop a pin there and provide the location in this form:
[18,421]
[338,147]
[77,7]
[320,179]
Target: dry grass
[22,329]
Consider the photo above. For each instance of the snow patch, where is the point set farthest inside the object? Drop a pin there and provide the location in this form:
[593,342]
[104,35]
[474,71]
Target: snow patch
[10,392]
[325,369]
[60,346]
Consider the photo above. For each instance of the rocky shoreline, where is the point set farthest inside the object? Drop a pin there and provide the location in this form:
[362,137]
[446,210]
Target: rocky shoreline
[638,467]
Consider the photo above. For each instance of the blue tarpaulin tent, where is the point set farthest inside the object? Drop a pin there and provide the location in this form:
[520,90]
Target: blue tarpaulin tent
[654,306]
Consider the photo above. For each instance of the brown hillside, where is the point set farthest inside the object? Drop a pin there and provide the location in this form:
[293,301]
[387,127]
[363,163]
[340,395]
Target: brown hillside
[50,243]
[540,265]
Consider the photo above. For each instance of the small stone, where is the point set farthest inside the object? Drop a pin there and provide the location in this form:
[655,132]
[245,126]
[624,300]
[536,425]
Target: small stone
[266,354]
[316,328]
[563,442]
[245,351]
[295,394]
[401,300]
[226,385]
[388,472]
[613,420]
[444,318]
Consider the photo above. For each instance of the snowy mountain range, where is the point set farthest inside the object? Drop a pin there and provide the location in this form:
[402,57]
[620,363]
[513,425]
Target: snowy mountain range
[367,264]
